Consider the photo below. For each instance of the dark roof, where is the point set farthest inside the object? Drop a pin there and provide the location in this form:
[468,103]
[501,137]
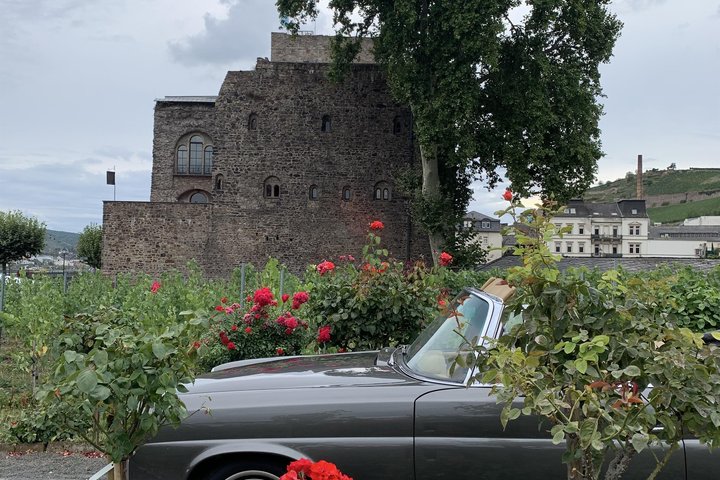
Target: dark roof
[603,263]
[623,208]
[685,231]
[473,215]
[478,217]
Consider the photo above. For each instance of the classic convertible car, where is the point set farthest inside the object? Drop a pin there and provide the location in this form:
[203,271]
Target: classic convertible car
[398,413]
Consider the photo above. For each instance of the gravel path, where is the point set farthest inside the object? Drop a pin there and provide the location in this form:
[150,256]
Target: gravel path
[49,465]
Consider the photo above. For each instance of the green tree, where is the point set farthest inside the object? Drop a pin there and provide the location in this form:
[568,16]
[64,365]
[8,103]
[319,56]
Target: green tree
[484,91]
[604,365]
[89,246]
[20,237]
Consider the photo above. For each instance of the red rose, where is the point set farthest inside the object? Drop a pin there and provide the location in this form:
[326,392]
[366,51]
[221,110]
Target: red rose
[300,298]
[155,287]
[220,308]
[196,345]
[248,298]
[223,300]
[231,346]
[376,226]
[300,466]
[445,259]
[280,351]
[291,323]
[508,195]
[288,331]
[291,475]
[248,330]
[325,266]
[263,296]
[234,328]
[441,303]
[285,297]
[323,334]
[351,258]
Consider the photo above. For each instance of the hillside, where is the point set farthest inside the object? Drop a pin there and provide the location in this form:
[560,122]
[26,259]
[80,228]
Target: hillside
[656,183]
[56,240]
[671,195]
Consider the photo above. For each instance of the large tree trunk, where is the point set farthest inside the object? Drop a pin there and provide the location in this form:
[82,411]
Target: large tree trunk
[431,190]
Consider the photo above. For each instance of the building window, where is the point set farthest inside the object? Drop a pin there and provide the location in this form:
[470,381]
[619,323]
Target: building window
[467,223]
[596,230]
[581,248]
[382,191]
[569,247]
[615,231]
[314,192]
[346,194]
[615,250]
[570,228]
[635,229]
[252,122]
[597,249]
[633,211]
[485,224]
[557,247]
[198,197]
[219,181]
[272,187]
[581,229]
[397,126]
[326,125]
[194,156]
[635,248]
[570,210]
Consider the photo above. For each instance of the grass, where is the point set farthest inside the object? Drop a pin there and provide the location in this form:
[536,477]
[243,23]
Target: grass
[681,211]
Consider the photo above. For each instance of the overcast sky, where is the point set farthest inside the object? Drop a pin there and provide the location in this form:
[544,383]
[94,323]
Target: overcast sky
[78,80]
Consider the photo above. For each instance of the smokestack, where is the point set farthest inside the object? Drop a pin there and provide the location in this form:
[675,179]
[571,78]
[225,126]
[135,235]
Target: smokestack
[639,188]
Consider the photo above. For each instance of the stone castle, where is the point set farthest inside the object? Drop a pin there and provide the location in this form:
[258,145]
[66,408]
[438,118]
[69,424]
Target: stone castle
[281,163]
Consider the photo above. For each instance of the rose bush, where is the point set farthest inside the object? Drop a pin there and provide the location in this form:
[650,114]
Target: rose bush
[305,469]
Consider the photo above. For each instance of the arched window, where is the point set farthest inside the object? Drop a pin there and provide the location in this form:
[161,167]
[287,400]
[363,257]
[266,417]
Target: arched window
[382,191]
[252,122]
[194,155]
[272,187]
[198,197]
[346,193]
[314,192]
[219,180]
[326,125]
[208,160]
[397,125]
[181,163]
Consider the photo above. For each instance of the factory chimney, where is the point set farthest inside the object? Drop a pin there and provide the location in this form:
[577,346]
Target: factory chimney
[639,189]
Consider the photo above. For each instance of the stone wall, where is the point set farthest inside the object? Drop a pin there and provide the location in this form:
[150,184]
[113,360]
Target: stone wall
[311,48]
[673,198]
[154,237]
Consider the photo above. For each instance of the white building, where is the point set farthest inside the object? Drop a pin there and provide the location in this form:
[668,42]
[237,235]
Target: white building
[623,229]
[487,233]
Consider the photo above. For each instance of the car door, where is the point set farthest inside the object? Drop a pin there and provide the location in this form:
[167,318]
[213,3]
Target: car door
[458,434]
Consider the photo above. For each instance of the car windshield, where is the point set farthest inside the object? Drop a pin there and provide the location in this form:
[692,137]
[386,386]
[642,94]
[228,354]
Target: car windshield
[433,353]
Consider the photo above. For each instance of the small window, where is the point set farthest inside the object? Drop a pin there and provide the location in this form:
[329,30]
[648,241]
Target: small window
[252,122]
[219,181]
[596,230]
[597,249]
[485,224]
[346,194]
[581,229]
[615,250]
[198,197]
[194,156]
[633,211]
[382,191]
[272,187]
[326,125]
[314,192]
[581,247]
[397,125]
[569,247]
[467,224]
[615,231]
[557,247]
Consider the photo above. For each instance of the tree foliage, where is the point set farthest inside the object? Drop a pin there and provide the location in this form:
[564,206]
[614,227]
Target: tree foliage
[485,91]
[604,365]
[89,246]
[20,237]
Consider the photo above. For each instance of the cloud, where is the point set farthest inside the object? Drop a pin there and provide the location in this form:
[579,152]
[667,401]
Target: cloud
[242,36]
[639,5]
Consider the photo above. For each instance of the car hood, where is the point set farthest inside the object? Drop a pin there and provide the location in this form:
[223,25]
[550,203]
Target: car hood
[314,371]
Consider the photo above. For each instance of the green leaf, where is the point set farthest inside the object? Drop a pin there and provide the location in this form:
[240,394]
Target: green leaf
[159,350]
[581,365]
[639,442]
[87,380]
[632,371]
[70,356]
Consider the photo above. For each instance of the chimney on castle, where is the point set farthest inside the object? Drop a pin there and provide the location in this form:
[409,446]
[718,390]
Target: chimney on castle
[639,176]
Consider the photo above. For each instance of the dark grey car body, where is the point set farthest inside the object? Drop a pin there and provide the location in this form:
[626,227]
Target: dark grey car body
[372,416]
